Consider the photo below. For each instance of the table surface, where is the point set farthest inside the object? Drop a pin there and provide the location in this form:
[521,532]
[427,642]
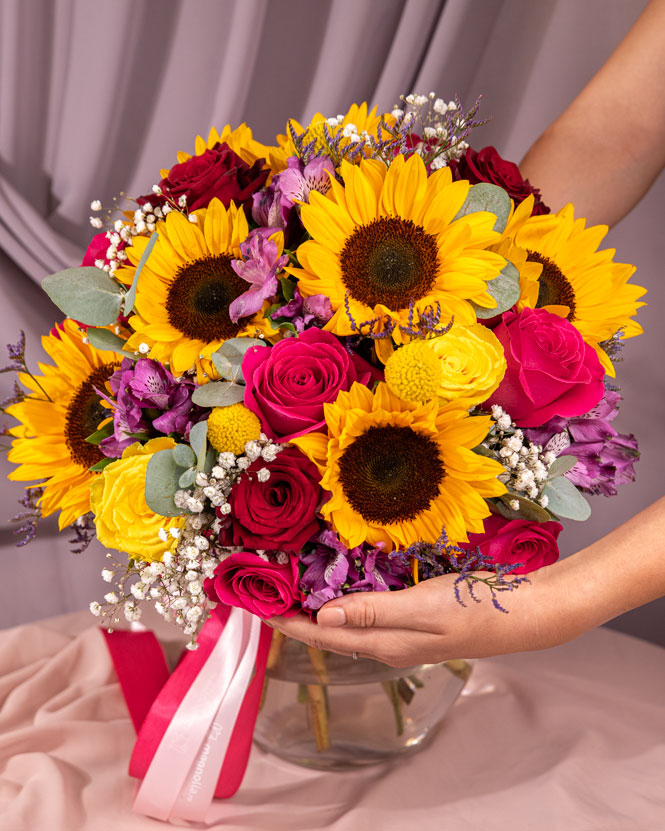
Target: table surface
[572,738]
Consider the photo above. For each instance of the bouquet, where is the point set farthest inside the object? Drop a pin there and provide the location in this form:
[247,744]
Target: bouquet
[365,356]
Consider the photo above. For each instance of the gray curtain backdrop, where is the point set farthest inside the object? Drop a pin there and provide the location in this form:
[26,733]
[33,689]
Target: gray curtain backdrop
[96,97]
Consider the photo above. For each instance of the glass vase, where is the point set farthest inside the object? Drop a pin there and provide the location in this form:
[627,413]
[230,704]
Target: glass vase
[327,711]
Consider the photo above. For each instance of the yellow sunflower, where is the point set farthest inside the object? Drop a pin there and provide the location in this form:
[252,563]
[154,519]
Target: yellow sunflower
[387,238]
[360,116]
[187,285]
[60,412]
[399,472]
[577,281]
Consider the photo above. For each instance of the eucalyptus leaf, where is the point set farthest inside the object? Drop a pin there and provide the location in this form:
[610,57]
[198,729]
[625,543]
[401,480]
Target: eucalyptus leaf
[565,500]
[183,455]
[211,460]
[101,434]
[103,339]
[234,351]
[218,394]
[161,483]
[86,294]
[222,365]
[198,440]
[527,508]
[561,465]
[130,297]
[486,197]
[187,478]
[505,289]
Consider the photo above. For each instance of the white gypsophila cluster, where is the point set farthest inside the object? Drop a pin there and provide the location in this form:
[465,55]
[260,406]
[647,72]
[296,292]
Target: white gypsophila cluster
[439,123]
[525,463]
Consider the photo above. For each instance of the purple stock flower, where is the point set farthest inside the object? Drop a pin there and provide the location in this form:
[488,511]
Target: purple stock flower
[304,312]
[605,458]
[259,269]
[148,399]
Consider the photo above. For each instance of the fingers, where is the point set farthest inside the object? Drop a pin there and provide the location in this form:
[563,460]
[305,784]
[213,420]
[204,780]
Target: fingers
[418,608]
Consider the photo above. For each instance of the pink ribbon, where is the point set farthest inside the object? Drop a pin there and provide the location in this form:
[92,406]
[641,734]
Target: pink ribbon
[203,718]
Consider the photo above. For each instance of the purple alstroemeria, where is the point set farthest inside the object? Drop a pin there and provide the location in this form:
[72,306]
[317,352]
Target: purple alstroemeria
[380,571]
[259,268]
[148,399]
[329,566]
[605,458]
[304,312]
[273,205]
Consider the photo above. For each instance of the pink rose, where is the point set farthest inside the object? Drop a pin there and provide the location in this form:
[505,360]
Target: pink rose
[287,385]
[249,582]
[551,370]
[280,513]
[509,541]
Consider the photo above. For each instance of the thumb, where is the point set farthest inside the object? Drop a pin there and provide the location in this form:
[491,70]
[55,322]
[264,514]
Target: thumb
[403,609]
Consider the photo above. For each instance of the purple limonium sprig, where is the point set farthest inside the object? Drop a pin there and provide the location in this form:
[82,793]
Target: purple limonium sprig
[18,363]
[427,325]
[443,557]
[259,268]
[84,533]
[304,312]
[605,457]
[30,516]
[148,400]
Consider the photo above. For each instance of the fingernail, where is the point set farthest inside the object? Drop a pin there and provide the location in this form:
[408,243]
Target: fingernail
[334,616]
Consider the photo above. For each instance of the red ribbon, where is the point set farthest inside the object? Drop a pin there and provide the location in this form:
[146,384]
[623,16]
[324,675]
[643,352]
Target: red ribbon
[152,696]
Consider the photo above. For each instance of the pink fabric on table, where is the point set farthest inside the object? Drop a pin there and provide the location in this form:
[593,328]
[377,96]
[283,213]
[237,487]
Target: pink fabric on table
[572,738]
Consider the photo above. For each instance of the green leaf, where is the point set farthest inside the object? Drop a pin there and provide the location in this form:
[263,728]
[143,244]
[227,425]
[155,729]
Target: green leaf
[561,465]
[161,483]
[527,508]
[100,465]
[184,455]
[565,500]
[218,394]
[198,440]
[505,289]
[288,288]
[85,293]
[130,297]
[282,323]
[138,436]
[101,434]
[103,339]
[486,197]
[187,478]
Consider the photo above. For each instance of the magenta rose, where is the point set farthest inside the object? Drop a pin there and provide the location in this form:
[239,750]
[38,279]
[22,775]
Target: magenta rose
[287,385]
[218,172]
[249,582]
[280,513]
[550,369]
[510,541]
[487,165]
[97,248]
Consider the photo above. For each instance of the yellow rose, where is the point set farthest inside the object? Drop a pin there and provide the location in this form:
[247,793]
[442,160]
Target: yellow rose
[472,363]
[117,498]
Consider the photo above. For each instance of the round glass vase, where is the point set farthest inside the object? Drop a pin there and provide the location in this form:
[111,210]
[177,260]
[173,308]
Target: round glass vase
[327,711]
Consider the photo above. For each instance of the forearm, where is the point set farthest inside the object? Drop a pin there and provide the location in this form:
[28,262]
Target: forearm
[608,146]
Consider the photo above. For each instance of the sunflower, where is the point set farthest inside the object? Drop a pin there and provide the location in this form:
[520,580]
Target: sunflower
[186,287]
[577,281]
[61,410]
[386,239]
[399,472]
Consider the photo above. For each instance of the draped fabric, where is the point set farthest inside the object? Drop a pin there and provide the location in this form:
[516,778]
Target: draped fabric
[96,97]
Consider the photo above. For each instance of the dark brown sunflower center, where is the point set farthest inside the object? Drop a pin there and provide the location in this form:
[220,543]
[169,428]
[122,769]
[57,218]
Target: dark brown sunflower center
[84,413]
[390,261]
[391,474]
[199,298]
[553,287]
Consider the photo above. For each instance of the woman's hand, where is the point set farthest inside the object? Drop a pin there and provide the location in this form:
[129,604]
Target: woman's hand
[426,624]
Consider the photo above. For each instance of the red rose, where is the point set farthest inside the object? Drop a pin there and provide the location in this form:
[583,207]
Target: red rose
[509,541]
[550,369]
[97,248]
[288,385]
[279,513]
[249,582]
[218,172]
[486,165]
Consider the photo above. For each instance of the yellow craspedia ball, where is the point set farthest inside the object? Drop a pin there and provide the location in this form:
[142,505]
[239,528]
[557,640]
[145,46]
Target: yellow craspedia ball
[472,363]
[413,373]
[230,428]
[122,517]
